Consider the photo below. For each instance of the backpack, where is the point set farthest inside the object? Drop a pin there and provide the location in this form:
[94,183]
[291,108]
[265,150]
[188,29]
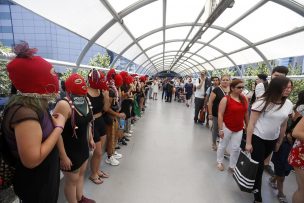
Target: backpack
[7,161]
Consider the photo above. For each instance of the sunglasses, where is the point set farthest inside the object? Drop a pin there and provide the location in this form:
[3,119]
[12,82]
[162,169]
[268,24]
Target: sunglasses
[240,87]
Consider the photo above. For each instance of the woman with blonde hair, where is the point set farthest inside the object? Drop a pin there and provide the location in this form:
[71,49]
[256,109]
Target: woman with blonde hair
[214,100]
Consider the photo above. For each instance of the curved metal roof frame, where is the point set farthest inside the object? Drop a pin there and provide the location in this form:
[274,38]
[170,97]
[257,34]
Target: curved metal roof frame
[204,44]
[286,4]
[175,52]
[117,17]
[160,66]
[165,59]
[145,69]
[171,56]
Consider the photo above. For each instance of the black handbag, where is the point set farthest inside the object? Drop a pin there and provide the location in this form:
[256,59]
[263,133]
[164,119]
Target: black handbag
[245,172]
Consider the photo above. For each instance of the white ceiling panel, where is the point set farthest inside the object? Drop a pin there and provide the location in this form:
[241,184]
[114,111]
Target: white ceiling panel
[231,14]
[132,52]
[245,57]
[228,43]
[145,19]
[209,34]
[151,40]
[177,33]
[66,13]
[179,11]
[198,59]
[119,5]
[222,63]
[209,53]
[263,24]
[173,46]
[208,66]
[195,47]
[285,47]
[155,50]
[115,39]
[141,59]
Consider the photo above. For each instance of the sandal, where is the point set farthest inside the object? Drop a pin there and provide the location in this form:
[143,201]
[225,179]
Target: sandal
[102,174]
[220,167]
[96,180]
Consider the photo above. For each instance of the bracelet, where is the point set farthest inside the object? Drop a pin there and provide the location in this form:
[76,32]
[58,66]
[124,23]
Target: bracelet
[58,126]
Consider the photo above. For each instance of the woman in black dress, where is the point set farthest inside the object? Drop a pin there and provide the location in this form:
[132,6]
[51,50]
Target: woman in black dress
[76,137]
[30,132]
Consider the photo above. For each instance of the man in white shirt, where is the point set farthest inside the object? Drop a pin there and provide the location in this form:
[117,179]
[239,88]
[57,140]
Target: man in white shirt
[201,85]
[259,91]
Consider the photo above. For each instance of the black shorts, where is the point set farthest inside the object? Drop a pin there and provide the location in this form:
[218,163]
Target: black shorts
[279,160]
[99,128]
[188,96]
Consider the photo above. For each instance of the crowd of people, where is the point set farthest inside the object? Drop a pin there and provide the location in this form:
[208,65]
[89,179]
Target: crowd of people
[264,118]
[99,111]
[42,139]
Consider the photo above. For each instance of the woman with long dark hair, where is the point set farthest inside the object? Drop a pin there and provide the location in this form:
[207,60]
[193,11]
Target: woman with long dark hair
[267,125]
[30,132]
[232,115]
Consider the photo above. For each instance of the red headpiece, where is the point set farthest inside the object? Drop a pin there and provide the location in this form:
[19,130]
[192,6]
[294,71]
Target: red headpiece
[129,80]
[124,75]
[95,78]
[142,78]
[75,84]
[32,74]
[111,74]
[118,80]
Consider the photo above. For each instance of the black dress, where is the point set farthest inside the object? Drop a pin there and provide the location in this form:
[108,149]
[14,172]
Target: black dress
[39,184]
[77,146]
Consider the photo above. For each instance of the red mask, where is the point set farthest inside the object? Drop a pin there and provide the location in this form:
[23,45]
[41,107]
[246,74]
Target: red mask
[95,79]
[75,84]
[33,75]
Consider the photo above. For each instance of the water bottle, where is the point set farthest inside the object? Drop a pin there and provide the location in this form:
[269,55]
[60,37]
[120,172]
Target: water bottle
[121,124]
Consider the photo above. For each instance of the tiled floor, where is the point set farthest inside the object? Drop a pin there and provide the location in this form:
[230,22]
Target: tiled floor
[169,160]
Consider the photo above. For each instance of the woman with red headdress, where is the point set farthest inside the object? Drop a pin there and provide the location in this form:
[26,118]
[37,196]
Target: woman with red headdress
[76,137]
[30,133]
[111,118]
[99,98]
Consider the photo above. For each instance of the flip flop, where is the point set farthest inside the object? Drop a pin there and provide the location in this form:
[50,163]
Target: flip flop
[96,180]
[103,174]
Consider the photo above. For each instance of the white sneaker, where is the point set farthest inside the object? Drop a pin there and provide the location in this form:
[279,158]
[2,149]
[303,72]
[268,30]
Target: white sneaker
[112,161]
[128,134]
[117,155]
[130,131]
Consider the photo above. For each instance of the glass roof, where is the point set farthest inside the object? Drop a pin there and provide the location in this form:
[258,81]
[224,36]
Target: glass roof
[142,30]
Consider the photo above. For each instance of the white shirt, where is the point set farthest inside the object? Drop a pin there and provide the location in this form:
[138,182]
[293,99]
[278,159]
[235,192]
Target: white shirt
[199,93]
[269,122]
[259,90]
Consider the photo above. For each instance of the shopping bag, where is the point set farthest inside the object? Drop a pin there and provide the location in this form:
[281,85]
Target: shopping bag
[245,172]
[202,115]
[243,141]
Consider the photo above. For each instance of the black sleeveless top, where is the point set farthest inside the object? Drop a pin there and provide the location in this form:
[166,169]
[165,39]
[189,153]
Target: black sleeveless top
[77,146]
[97,103]
[39,184]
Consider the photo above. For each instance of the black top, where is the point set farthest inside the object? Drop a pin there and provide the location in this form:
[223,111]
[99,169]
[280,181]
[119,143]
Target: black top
[77,147]
[97,103]
[39,184]
[219,93]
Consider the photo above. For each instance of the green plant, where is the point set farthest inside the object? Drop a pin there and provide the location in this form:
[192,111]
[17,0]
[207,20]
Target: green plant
[99,60]
[5,84]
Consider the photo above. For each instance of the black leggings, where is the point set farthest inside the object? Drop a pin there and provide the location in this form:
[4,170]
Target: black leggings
[261,150]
